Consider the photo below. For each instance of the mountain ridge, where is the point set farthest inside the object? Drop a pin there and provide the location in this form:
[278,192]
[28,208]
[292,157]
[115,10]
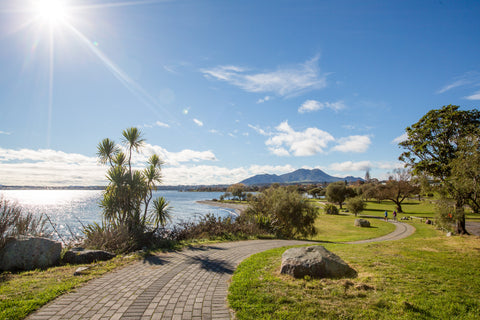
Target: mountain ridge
[297,176]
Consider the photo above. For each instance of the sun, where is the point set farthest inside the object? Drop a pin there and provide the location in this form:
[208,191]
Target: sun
[52,12]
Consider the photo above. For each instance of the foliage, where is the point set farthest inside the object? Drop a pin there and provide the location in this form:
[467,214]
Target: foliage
[316,192]
[14,223]
[355,205]
[330,209]
[465,177]
[238,191]
[338,191]
[283,212]
[398,187]
[127,197]
[434,142]
[214,228]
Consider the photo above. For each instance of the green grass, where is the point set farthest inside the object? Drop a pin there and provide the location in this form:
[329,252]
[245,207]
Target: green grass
[426,276]
[340,228]
[24,292]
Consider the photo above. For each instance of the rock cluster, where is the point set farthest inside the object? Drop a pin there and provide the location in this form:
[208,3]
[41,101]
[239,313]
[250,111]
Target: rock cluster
[316,262]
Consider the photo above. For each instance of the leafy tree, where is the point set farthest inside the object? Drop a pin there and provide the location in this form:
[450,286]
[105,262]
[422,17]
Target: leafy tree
[337,192]
[283,212]
[129,192]
[355,205]
[316,192]
[433,143]
[237,190]
[398,187]
[465,177]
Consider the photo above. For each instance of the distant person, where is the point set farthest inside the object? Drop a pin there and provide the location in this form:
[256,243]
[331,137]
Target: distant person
[394,215]
[386,215]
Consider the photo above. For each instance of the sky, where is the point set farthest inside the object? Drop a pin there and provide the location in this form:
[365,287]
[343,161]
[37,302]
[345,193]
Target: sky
[224,90]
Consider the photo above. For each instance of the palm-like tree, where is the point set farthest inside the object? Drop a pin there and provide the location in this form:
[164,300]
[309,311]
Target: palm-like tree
[161,212]
[132,138]
[106,151]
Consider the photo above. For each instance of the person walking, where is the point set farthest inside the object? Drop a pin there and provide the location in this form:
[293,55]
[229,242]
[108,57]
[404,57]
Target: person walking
[386,215]
[394,215]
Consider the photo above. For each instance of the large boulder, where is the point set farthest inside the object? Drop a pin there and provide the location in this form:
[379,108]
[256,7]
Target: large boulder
[316,262]
[28,253]
[81,256]
[362,223]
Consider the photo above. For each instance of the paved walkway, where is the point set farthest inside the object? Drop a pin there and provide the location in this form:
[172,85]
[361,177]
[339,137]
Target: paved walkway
[190,284]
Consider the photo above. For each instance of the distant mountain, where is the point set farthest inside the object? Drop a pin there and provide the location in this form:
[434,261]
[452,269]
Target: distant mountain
[297,176]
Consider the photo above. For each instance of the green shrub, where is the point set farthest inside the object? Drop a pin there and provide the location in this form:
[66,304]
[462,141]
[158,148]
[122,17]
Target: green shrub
[330,209]
[283,212]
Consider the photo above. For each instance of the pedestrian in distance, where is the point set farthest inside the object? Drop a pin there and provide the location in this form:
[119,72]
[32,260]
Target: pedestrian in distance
[394,215]
[386,215]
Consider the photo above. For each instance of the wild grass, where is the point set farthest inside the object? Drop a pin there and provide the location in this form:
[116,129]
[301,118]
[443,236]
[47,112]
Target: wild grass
[426,276]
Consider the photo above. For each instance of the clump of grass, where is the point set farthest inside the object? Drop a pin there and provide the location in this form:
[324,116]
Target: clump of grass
[13,222]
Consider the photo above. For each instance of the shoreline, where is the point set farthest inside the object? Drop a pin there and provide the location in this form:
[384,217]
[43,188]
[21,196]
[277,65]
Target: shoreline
[238,208]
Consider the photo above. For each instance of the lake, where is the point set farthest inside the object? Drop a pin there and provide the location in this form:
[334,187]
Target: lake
[69,209]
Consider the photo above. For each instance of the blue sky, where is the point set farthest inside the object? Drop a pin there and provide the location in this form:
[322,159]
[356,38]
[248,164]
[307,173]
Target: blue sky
[224,90]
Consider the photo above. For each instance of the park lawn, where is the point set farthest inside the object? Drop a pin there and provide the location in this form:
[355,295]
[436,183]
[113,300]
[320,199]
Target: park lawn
[426,276]
[22,293]
[340,228]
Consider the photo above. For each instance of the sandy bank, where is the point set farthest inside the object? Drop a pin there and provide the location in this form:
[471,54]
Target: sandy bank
[239,208]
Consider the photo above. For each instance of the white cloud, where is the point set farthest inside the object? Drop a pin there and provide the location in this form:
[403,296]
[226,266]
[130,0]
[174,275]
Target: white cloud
[53,168]
[174,158]
[475,96]
[306,143]
[313,105]
[262,100]
[283,82]
[161,124]
[259,130]
[198,122]
[349,166]
[353,144]
[455,84]
[6,133]
[400,138]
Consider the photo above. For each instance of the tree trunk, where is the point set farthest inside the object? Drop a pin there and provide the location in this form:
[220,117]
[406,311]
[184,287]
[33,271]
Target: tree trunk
[460,226]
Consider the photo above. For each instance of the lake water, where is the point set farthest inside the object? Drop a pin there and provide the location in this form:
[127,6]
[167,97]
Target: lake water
[72,208]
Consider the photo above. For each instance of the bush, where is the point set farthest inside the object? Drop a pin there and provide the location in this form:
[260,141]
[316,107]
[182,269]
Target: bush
[14,223]
[355,205]
[330,209]
[283,212]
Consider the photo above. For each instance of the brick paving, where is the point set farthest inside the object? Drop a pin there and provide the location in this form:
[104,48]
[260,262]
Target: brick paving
[190,284]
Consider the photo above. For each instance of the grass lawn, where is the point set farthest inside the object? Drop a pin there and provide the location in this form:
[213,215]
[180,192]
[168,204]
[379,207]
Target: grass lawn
[426,276]
[340,228]
[22,293]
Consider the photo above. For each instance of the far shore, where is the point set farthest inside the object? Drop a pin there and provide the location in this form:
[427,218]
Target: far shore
[239,208]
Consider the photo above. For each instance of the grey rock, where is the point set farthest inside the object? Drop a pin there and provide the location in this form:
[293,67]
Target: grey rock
[316,262]
[28,253]
[362,223]
[81,256]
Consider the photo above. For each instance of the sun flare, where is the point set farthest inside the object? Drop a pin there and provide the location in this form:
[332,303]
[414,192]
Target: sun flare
[51,11]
